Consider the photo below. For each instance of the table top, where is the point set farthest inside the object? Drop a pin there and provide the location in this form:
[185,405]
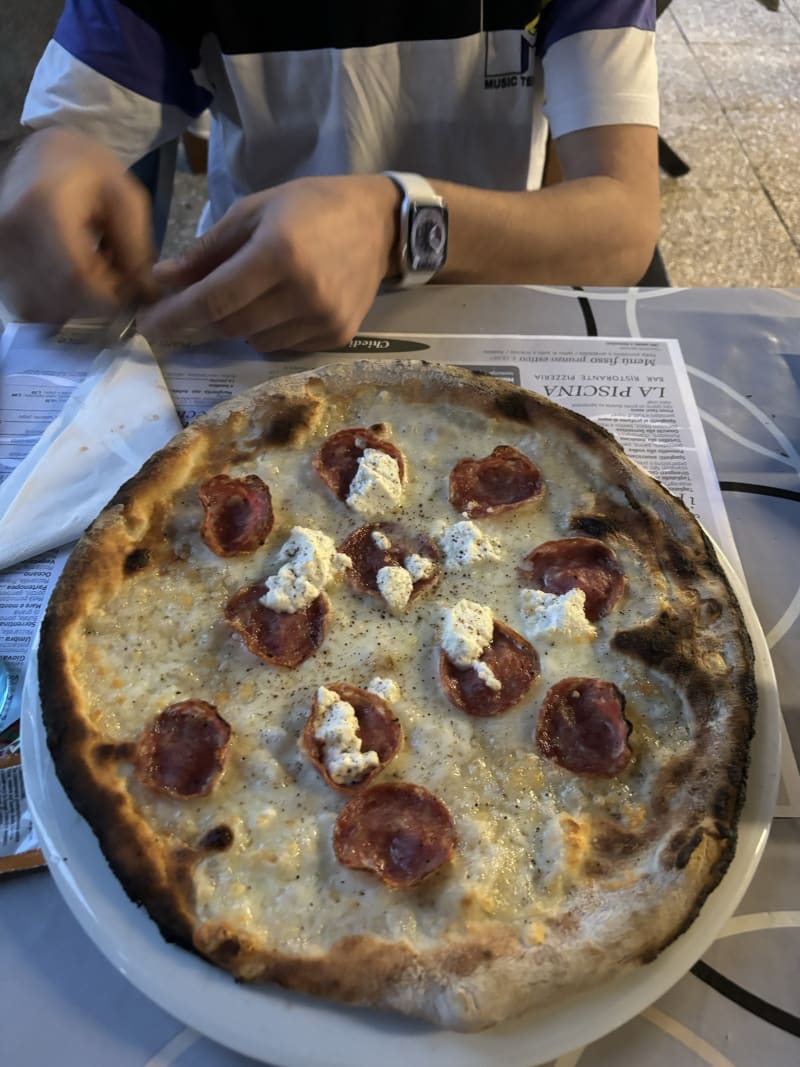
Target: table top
[63,1002]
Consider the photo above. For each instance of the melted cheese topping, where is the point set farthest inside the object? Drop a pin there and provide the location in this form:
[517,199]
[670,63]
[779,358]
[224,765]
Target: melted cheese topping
[467,633]
[550,615]
[376,488]
[385,688]
[381,540]
[337,730]
[280,879]
[419,567]
[487,675]
[312,563]
[464,543]
[395,585]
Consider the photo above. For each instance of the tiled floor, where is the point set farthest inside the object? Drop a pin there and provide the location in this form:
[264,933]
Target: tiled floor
[730,93]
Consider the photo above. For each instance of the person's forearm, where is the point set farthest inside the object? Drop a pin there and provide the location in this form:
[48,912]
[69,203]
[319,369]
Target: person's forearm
[589,231]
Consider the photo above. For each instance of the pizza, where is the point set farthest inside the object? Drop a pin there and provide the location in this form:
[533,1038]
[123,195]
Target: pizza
[397,684]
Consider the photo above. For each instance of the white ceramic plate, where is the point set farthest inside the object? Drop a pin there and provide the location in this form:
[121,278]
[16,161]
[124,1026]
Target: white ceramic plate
[291,1030]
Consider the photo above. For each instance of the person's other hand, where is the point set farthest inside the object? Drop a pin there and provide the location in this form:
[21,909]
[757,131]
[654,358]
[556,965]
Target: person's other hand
[294,267]
[75,230]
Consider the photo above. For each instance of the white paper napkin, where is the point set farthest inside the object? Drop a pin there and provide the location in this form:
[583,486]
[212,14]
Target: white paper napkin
[114,420]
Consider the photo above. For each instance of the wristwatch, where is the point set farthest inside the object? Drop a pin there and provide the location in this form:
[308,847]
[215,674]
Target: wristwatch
[423,231]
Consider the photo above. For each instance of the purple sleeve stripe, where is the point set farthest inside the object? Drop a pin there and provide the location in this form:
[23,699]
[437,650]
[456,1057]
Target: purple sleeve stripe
[562,18]
[111,39]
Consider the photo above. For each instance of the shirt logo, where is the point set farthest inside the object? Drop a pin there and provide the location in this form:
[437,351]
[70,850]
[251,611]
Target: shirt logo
[508,60]
[508,57]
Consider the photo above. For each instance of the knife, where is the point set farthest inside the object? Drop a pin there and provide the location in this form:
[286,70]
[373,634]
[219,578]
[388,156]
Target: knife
[120,328]
[5,687]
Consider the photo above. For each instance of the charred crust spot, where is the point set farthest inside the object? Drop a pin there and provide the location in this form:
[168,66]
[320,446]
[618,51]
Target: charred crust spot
[584,434]
[684,854]
[598,526]
[107,751]
[566,923]
[723,806]
[180,875]
[701,692]
[735,774]
[673,848]
[334,977]
[669,781]
[680,561]
[593,868]
[280,430]
[513,406]
[656,642]
[227,951]
[217,839]
[650,954]
[591,433]
[680,848]
[467,961]
[615,842]
[285,428]
[710,611]
[722,831]
[136,560]
[616,518]
[665,643]
[379,428]
[631,499]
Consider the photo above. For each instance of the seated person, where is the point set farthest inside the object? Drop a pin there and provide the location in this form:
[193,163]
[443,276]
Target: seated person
[310,107]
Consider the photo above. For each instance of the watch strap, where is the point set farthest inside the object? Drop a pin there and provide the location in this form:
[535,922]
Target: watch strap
[419,191]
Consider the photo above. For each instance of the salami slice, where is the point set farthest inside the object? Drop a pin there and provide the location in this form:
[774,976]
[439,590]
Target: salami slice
[238,514]
[379,731]
[284,639]
[369,555]
[336,460]
[576,563]
[512,660]
[582,727]
[399,832]
[503,480]
[182,751]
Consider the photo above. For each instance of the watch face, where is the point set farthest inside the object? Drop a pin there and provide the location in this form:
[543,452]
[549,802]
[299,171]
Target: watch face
[427,238]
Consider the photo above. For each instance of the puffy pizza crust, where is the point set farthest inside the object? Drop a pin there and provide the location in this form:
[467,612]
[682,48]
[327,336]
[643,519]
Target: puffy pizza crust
[634,867]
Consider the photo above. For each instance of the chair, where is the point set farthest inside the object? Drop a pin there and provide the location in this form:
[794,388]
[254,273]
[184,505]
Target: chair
[656,274]
[156,172]
[668,159]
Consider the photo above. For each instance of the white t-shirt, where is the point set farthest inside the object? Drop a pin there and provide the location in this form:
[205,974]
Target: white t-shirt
[463,91]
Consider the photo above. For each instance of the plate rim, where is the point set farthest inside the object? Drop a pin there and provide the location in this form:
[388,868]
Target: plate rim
[325,1033]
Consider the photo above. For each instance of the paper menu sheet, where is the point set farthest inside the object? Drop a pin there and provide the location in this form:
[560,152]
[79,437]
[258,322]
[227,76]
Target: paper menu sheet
[37,376]
[637,388]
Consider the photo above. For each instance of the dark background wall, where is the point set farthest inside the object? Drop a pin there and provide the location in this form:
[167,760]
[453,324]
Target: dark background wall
[25,28]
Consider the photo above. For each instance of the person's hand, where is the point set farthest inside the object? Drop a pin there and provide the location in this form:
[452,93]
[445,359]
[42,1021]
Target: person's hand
[75,230]
[294,267]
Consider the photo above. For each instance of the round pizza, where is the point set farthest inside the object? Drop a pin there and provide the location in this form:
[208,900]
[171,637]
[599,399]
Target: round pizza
[403,686]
